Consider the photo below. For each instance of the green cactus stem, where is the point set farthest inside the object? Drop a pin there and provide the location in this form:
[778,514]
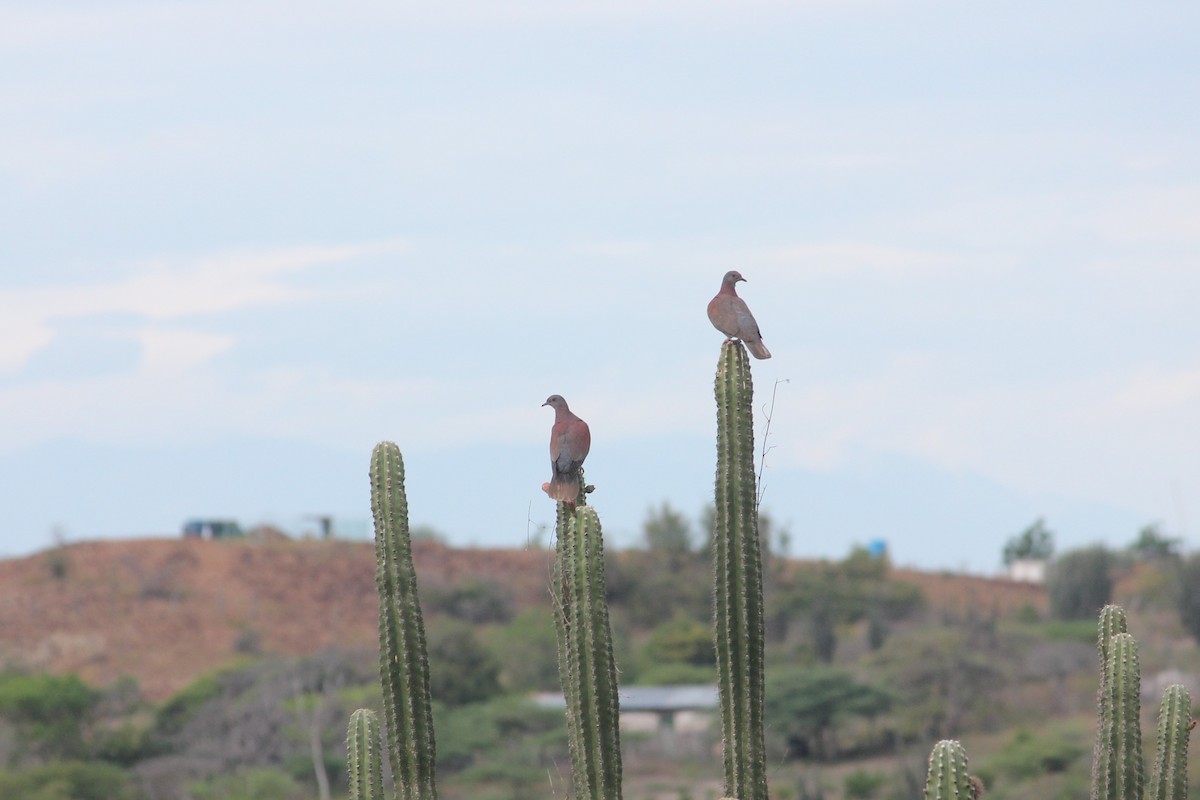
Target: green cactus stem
[1169,780]
[1112,622]
[737,565]
[362,756]
[586,664]
[948,777]
[403,663]
[1117,770]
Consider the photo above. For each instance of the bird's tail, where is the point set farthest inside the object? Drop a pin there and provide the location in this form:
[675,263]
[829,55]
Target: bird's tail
[564,488]
[758,349]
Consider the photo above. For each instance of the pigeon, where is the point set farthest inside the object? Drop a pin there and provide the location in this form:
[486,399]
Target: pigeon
[570,441]
[731,316]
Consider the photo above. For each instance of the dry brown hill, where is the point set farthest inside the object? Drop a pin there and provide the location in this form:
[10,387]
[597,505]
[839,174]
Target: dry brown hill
[167,611]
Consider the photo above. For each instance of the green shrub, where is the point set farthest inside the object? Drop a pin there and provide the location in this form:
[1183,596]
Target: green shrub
[182,706]
[68,780]
[51,711]
[863,784]
[249,784]
[1028,755]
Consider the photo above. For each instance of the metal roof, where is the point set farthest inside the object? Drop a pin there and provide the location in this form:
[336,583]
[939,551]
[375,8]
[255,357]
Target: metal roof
[688,697]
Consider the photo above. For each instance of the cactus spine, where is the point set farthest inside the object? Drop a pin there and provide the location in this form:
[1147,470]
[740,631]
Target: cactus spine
[403,664]
[363,761]
[1169,780]
[948,777]
[737,564]
[586,664]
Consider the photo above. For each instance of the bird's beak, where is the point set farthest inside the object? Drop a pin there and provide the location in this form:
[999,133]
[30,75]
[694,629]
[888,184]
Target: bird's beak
[545,404]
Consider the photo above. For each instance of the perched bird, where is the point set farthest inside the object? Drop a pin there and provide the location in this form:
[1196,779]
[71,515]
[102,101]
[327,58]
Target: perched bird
[731,316]
[570,441]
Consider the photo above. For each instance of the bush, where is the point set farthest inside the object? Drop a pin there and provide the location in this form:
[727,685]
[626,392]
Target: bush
[461,670]
[249,784]
[476,601]
[68,780]
[1030,755]
[51,711]
[1080,584]
[527,649]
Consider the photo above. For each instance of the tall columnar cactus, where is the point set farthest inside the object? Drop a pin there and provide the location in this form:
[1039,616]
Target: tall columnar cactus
[1169,780]
[403,664]
[737,564]
[1117,771]
[948,777]
[586,664]
[363,761]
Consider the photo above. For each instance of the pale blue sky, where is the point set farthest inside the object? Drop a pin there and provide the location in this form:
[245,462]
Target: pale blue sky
[244,241]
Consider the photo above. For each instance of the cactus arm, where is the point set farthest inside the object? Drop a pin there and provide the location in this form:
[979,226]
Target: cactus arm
[738,611]
[362,756]
[1112,622]
[586,663]
[1169,781]
[403,663]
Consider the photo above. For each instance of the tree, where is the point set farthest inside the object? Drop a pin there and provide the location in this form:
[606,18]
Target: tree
[806,705]
[527,649]
[1035,542]
[1080,583]
[943,678]
[1153,545]
[53,713]
[668,534]
[682,641]
[461,670]
[1189,595]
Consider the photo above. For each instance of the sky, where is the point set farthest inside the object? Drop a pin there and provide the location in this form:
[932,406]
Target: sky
[242,242]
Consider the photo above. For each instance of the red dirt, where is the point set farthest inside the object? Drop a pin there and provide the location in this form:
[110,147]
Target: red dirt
[167,611]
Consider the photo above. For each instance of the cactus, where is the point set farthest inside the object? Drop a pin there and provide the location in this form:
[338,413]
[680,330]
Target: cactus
[1169,781]
[737,565]
[948,777]
[403,664]
[586,664]
[362,756]
[1117,772]
[1112,622]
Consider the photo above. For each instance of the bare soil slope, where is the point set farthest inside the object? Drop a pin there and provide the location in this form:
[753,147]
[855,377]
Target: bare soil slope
[167,611]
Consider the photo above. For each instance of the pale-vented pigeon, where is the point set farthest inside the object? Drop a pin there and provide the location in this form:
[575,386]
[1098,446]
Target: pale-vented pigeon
[570,441]
[731,316]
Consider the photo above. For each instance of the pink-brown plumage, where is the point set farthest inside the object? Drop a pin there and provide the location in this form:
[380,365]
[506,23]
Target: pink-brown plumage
[570,441]
[731,316]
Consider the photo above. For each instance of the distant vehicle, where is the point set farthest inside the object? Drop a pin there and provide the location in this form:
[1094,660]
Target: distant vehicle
[212,529]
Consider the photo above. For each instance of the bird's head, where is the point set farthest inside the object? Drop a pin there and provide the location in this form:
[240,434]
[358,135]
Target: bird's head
[555,401]
[733,276]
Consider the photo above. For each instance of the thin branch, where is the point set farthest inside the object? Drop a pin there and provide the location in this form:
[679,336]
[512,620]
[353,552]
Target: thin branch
[768,412]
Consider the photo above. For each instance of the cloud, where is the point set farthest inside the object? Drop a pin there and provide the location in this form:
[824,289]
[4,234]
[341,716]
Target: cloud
[169,291]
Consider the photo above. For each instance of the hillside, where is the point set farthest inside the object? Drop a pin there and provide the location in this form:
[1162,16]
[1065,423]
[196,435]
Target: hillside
[167,611]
